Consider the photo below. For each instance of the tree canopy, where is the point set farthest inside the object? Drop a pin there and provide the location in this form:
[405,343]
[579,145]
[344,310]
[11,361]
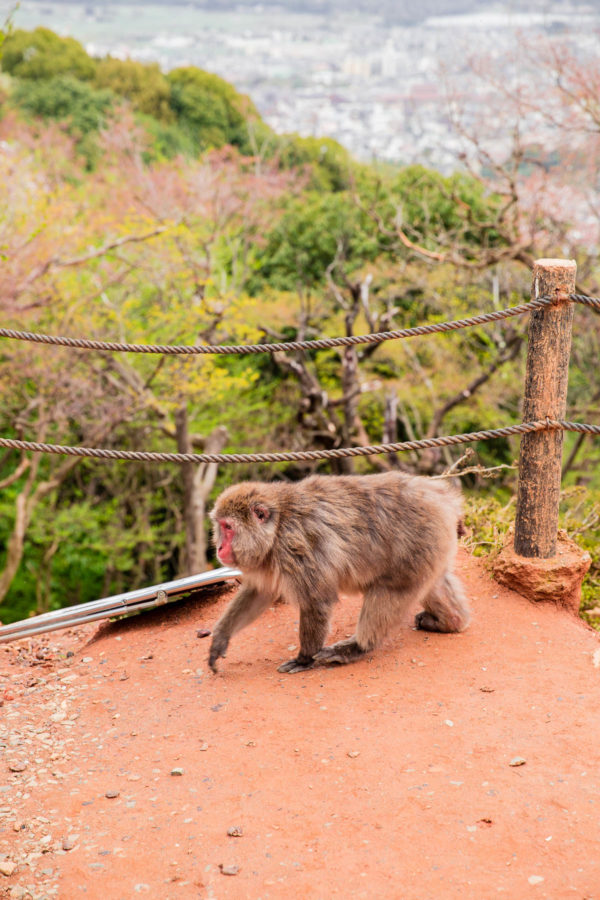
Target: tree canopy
[41,55]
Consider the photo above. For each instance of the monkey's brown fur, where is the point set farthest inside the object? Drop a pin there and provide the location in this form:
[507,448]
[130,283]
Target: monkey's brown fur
[392,537]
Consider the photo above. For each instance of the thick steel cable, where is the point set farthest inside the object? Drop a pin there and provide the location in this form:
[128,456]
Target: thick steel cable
[302,455]
[246,349]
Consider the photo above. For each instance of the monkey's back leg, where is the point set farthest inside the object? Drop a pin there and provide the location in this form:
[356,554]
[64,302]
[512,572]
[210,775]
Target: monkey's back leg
[445,607]
[382,610]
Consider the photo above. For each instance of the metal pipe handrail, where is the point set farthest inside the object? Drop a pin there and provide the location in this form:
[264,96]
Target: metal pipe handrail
[168,587]
[117,605]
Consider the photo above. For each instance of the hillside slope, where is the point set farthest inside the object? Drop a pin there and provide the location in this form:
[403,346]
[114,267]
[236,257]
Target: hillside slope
[389,778]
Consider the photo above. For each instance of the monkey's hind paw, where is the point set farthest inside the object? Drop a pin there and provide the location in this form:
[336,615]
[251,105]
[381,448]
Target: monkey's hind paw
[426,621]
[343,652]
[296,665]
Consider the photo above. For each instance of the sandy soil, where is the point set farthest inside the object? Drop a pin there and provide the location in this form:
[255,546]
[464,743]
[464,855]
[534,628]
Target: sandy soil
[128,769]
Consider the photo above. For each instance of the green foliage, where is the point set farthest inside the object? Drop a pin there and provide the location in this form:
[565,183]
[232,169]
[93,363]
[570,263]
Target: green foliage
[166,140]
[209,110]
[316,231]
[84,109]
[41,55]
[143,84]
[6,29]
[430,205]
[65,98]
[580,517]
[185,112]
[488,518]
[82,549]
[330,165]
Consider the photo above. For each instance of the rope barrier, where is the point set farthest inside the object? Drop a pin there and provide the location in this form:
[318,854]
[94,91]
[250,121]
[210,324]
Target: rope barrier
[302,455]
[321,344]
[305,455]
[246,349]
[593,302]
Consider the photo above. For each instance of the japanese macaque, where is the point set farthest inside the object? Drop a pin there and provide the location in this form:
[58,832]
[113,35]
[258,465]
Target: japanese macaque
[391,537]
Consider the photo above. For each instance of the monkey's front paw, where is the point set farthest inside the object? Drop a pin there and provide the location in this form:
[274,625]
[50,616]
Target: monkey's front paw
[299,664]
[218,648]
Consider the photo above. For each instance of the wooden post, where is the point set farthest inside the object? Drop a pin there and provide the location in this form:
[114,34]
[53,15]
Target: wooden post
[546,379]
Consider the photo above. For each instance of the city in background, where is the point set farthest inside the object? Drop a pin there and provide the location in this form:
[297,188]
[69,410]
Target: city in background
[387,86]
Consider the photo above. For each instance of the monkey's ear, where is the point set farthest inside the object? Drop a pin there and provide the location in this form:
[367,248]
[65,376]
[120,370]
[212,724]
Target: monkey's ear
[261,512]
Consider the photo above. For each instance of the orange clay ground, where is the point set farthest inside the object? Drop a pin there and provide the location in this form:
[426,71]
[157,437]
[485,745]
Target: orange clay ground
[128,769]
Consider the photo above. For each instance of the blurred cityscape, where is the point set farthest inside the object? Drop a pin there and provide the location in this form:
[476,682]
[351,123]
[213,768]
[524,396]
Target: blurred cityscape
[385,92]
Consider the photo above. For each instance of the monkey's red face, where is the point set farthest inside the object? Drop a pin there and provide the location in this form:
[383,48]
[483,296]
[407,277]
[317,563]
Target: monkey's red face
[224,546]
[244,526]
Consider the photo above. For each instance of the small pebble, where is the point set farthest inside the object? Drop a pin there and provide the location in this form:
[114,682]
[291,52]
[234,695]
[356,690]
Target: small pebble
[353,753]
[517,761]
[112,795]
[7,867]
[203,632]
[177,771]
[229,870]
[235,831]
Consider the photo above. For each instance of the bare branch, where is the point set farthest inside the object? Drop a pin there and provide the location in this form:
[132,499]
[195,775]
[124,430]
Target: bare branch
[10,479]
[513,347]
[57,263]
[490,472]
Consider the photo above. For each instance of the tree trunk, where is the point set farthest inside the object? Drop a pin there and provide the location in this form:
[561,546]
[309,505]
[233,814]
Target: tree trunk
[350,394]
[16,541]
[25,504]
[198,482]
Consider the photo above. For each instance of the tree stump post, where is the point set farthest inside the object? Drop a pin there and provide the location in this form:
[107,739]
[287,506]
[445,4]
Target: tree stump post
[546,379]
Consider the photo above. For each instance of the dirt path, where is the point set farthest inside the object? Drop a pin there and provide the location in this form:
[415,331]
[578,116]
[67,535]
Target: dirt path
[127,763]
